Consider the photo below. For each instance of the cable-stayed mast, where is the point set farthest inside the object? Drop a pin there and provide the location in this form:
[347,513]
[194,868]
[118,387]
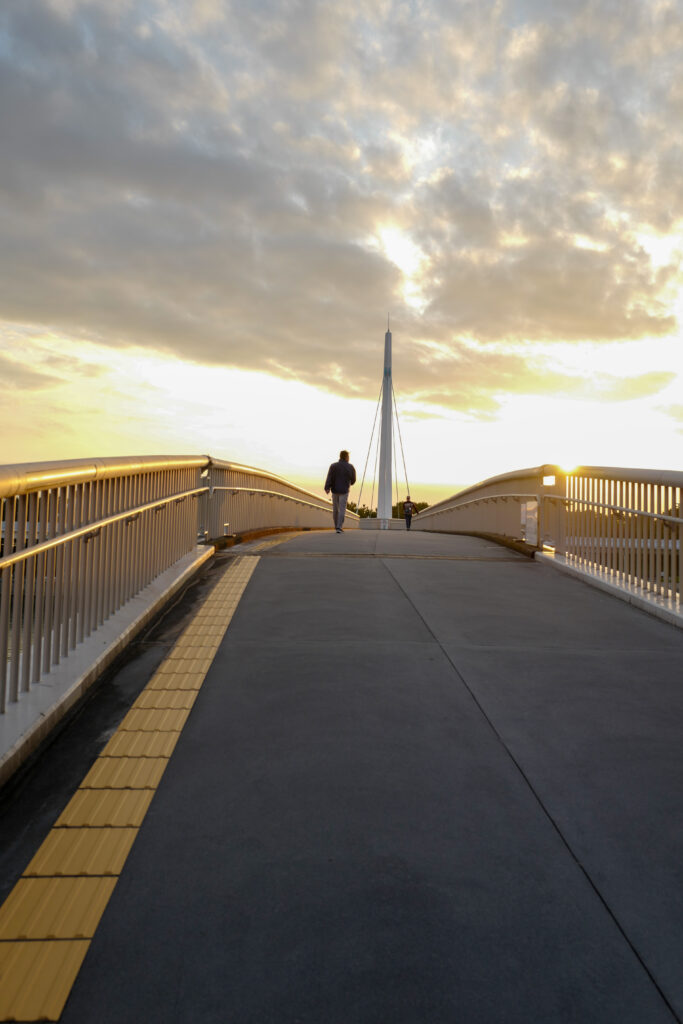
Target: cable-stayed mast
[384,481]
[384,448]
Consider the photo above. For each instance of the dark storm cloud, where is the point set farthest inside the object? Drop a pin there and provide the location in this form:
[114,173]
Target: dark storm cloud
[210,180]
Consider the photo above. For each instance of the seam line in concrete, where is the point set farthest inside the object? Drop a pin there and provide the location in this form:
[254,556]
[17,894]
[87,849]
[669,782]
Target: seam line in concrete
[546,812]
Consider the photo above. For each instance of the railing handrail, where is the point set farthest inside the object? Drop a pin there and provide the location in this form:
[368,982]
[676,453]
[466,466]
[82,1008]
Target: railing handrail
[439,510]
[92,528]
[320,503]
[626,509]
[22,478]
[670,477]
[534,472]
[237,467]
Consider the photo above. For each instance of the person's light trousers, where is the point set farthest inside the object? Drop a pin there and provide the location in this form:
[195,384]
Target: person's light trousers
[339,508]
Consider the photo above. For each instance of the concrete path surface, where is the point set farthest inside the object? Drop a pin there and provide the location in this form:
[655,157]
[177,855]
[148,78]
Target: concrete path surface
[426,779]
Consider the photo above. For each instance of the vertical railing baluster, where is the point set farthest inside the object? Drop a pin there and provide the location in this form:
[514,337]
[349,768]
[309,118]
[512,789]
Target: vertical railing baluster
[76,562]
[66,572]
[650,540]
[96,515]
[679,545]
[638,533]
[39,615]
[29,592]
[85,553]
[60,560]
[50,562]
[18,544]
[666,535]
[105,555]
[125,540]
[5,601]
[629,520]
[658,538]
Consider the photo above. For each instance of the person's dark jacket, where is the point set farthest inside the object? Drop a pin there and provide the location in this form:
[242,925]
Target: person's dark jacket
[340,476]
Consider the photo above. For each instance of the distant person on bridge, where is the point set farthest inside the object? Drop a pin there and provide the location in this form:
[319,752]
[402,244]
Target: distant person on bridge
[340,476]
[409,510]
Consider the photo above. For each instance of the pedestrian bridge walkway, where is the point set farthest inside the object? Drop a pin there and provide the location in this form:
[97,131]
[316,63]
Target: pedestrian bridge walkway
[361,778]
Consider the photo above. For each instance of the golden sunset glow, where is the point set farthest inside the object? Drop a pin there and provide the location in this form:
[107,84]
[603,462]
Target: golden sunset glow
[206,218]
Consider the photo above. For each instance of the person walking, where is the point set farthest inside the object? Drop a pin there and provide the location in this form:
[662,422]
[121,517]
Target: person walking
[409,510]
[340,476]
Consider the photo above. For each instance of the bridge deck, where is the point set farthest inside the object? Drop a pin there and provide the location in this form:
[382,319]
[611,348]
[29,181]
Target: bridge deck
[424,779]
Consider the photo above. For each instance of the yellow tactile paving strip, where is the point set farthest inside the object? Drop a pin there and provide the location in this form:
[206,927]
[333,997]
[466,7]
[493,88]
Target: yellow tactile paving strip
[265,544]
[49,918]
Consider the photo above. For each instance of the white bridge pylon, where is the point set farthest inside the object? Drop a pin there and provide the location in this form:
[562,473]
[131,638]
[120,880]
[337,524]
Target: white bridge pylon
[386,449]
[385,439]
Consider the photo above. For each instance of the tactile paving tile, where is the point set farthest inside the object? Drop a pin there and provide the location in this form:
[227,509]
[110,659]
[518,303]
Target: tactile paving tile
[180,661]
[37,977]
[166,699]
[55,908]
[82,851]
[171,680]
[265,544]
[125,773]
[97,808]
[52,912]
[154,720]
[141,744]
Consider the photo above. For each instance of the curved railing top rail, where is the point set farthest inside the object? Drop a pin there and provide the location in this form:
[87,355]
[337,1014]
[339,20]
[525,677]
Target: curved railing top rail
[22,478]
[265,474]
[533,473]
[667,477]
[33,476]
[670,478]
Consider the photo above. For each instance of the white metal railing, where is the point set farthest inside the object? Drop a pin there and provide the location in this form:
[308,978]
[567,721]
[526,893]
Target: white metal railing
[516,506]
[625,522]
[243,498]
[79,539]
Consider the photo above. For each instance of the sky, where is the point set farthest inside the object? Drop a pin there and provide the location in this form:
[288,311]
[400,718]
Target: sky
[208,209]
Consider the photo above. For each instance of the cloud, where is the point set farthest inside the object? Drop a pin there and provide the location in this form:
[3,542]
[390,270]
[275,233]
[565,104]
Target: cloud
[675,412]
[213,181]
[15,376]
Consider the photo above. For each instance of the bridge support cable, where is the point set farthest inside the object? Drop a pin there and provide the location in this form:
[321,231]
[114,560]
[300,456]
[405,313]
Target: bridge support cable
[374,475]
[367,457]
[393,445]
[400,439]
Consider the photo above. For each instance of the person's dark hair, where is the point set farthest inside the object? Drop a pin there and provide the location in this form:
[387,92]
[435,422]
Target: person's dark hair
[344,455]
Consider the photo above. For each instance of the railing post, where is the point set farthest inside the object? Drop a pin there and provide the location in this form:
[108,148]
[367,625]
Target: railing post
[204,505]
[552,489]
